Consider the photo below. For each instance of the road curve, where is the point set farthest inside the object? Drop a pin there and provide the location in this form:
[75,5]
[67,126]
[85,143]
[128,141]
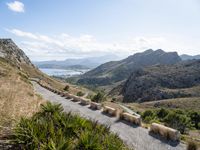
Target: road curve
[136,138]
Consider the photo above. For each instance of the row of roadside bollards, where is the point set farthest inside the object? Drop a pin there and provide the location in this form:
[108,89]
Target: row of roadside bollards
[97,106]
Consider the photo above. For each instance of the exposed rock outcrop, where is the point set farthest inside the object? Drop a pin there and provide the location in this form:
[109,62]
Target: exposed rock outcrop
[163,82]
[10,51]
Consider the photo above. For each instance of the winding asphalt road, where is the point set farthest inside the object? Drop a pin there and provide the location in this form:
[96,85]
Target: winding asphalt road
[135,137]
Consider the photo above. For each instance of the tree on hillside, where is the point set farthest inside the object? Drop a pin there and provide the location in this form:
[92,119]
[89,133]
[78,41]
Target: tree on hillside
[195,119]
[66,88]
[99,97]
[178,121]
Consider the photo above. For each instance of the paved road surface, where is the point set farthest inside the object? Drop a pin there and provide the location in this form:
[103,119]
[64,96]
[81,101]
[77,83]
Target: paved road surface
[136,137]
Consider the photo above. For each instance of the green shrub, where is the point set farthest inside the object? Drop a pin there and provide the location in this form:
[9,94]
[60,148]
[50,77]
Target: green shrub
[99,97]
[148,116]
[195,119]
[114,99]
[67,88]
[177,118]
[162,113]
[150,119]
[80,93]
[52,129]
[148,113]
[177,121]
[198,125]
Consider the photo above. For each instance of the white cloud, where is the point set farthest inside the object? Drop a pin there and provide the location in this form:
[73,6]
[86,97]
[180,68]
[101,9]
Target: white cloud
[38,46]
[22,33]
[16,6]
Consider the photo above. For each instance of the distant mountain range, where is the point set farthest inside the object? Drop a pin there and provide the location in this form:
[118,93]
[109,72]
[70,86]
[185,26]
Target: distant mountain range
[118,71]
[90,62]
[189,57]
[82,63]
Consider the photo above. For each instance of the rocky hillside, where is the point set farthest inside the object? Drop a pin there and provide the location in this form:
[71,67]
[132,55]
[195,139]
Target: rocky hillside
[10,51]
[163,82]
[117,71]
[14,56]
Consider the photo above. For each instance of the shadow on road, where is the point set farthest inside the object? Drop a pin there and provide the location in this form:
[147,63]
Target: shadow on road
[83,104]
[127,123]
[93,109]
[164,140]
[104,113]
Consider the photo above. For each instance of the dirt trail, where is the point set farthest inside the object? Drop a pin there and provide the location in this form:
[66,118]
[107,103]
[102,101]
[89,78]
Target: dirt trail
[137,138]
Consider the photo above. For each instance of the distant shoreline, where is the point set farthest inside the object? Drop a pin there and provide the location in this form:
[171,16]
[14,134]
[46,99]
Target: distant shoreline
[63,72]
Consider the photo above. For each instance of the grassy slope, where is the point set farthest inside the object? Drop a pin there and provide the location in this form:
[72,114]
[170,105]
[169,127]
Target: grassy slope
[17,97]
[178,103]
[182,103]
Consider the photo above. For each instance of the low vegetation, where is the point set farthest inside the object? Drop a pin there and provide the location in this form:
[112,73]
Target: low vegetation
[66,88]
[53,129]
[99,97]
[178,119]
[80,93]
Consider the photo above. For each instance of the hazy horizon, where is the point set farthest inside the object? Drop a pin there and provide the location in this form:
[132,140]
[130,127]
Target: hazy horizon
[58,30]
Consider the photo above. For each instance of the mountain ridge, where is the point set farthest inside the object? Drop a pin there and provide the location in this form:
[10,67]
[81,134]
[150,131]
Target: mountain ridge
[88,63]
[117,71]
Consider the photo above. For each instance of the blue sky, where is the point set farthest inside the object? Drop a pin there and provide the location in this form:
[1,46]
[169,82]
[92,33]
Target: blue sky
[60,29]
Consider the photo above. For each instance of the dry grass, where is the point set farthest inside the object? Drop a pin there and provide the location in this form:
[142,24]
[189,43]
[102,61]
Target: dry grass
[182,103]
[17,97]
[137,107]
[189,91]
[192,103]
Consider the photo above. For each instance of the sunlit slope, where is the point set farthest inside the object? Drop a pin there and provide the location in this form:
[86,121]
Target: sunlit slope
[17,96]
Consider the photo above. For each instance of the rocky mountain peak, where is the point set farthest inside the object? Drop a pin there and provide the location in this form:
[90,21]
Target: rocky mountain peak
[160,51]
[11,52]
